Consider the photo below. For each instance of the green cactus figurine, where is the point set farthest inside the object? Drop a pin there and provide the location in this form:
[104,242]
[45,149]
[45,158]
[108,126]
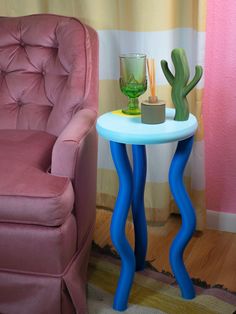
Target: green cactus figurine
[179,82]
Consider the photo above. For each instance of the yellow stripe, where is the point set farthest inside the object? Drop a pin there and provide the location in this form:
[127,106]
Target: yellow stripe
[23,7]
[111,99]
[107,182]
[131,15]
[135,15]
[152,15]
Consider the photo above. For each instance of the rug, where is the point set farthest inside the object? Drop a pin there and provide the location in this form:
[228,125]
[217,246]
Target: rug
[152,292]
[100,302]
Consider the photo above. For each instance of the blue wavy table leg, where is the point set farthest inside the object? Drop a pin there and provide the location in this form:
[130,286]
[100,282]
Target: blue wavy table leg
[138,211]
[188,217]
[118,222]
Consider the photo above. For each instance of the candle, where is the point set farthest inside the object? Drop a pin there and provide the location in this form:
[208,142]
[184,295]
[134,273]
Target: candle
[152,80]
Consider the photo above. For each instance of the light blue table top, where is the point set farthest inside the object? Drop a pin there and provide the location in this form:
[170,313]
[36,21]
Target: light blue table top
[117,127]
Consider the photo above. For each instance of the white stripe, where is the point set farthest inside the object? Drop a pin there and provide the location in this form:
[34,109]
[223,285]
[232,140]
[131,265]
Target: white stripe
[158,162]
[104,155]
[221,221]
[196,166]
[157,45]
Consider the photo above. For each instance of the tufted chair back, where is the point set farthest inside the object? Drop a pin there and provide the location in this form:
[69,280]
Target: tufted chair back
[45,71]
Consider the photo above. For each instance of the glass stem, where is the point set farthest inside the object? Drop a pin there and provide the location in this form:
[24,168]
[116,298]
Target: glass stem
[133,103]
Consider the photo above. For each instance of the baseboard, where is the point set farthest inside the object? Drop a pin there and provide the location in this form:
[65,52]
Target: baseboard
[221,221]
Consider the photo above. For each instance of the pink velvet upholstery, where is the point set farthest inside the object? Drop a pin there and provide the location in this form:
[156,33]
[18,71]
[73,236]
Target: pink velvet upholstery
[48,156]
[41,69]
[28,194]
[29,248]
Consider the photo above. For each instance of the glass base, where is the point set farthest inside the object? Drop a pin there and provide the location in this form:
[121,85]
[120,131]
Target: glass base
[131,111]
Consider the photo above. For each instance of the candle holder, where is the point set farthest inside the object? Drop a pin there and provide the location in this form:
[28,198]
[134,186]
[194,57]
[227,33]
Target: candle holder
[153,112]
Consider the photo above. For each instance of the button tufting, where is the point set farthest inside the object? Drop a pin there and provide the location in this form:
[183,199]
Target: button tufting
[3,73]
[22,43]
[19,103]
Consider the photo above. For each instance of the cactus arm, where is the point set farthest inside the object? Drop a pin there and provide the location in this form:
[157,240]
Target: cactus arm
[195,80]
[169,76]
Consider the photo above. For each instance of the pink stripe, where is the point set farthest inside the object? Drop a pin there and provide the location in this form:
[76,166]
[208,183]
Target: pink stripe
[219,107]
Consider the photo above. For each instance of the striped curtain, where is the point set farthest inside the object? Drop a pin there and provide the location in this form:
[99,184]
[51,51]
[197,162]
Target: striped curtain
[153,27]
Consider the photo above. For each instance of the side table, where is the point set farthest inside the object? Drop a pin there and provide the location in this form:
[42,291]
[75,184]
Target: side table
[121,129]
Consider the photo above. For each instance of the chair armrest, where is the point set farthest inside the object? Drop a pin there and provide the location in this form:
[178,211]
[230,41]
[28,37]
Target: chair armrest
[66,148]
[75,155]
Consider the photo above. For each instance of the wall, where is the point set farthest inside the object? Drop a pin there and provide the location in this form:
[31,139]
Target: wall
[220,110]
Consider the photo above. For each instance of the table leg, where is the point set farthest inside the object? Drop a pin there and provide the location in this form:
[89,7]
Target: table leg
[118,222]
[138,211]
[188,217]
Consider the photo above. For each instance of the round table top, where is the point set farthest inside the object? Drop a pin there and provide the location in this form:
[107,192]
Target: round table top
[118,127]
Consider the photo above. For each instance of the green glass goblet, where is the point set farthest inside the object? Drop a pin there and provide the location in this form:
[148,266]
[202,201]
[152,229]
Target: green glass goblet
[133,81]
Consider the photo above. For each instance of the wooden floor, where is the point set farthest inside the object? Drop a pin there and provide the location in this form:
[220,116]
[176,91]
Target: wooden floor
[210,256]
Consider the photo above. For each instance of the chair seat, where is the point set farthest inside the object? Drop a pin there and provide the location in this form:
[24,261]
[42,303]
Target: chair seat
[28,193]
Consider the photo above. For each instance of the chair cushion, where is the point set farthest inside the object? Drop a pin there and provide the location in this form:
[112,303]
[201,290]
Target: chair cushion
[39,249]
[28,193]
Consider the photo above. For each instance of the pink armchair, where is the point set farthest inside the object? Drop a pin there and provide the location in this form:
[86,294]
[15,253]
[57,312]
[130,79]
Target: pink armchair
[48,161]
